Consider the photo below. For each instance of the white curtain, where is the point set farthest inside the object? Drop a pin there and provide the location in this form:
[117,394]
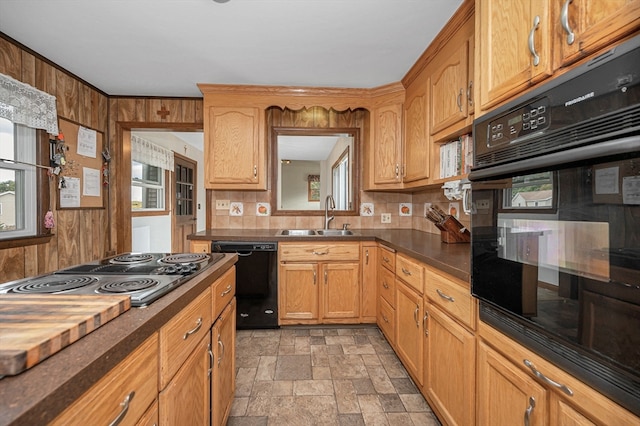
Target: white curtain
[145,151]
[26,105]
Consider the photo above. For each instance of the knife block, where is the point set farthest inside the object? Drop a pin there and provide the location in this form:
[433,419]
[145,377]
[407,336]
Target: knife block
[452,231]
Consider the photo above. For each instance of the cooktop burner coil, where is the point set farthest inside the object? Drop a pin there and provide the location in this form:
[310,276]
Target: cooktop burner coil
[49,285]
[128,285]
[185,258]
[132,258]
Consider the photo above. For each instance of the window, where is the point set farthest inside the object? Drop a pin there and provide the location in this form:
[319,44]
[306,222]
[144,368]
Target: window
[18,188]
[147,187]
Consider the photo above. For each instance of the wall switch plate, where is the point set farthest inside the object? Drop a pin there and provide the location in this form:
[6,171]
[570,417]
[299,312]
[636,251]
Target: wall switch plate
[385,218]
[222,204]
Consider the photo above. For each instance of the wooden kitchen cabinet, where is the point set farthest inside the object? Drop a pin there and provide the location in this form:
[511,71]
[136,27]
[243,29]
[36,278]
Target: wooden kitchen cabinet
[151,417]
[319,283]
[416,141]
[408,333]
[387,152]
[368,282]
[514,40]
[235,148]
[223,369]
[200,246]
[587,26]
[507,382]
[125,393]
[386,286]
[186,400]
[449,367]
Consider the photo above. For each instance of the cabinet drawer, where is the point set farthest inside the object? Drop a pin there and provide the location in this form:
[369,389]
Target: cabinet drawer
[387,320]
[387,258]
[452,295]
[411,272]
[387,286]
[181,335]
[319,252]
[136,375]
[222,291]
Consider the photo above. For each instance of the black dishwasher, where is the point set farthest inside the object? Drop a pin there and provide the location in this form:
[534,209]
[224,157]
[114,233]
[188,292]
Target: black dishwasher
[256,282]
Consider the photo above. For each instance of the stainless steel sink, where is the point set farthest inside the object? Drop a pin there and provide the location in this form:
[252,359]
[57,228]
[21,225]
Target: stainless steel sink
[334,232]
[297,232]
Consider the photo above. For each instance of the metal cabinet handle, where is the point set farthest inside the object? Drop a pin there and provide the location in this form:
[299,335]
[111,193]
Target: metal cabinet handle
[470,93]
[386,259]
[385,285]
[227,291]
[564,20]
[193,330]
[397,170]
[326,278]
[424,323]
[210,352]
[366,256]
[255,172]
[415,316]
[125,407]
[547,380]
[532,47]
[314,277]
[459,100]
[221,344]
[445,296]
[385,319]
[529,411]
[406,271]
[319,253]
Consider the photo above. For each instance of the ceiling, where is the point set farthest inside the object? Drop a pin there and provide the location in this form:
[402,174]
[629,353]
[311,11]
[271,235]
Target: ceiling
[165,47]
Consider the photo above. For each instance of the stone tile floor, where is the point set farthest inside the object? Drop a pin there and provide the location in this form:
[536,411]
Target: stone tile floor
[323,376]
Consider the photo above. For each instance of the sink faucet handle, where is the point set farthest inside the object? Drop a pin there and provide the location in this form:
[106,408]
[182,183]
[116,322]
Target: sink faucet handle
[345,226]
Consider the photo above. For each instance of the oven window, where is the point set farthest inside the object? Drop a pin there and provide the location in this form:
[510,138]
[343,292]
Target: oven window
[530,192]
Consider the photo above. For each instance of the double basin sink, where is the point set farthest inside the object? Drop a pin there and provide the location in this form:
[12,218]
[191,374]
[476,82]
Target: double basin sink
[315,232]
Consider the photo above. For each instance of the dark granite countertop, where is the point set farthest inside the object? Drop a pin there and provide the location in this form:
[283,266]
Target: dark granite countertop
[37,395]
[453,259]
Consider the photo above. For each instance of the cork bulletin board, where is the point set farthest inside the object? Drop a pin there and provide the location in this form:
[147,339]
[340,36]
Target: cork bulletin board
[83,169]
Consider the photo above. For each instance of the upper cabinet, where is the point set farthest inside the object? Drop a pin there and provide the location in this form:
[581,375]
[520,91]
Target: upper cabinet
[235,149]
[416,144]
[387,156]
[585,26]
[514,47]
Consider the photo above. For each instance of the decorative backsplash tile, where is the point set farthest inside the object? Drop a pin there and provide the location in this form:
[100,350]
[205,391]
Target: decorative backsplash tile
[263,209]
[236,209]
[405,209]
[366,209]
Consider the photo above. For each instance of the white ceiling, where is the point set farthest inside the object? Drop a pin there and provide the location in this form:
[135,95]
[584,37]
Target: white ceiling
[165,47]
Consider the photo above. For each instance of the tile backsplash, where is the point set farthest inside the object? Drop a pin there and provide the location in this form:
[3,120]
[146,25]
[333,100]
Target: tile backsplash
[383,202]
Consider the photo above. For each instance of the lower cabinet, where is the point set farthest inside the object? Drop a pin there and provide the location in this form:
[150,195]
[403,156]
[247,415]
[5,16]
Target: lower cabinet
[517,386]
[368,302]
[121,397]
[449,367]
[186,399]
[409,344]
[224,365]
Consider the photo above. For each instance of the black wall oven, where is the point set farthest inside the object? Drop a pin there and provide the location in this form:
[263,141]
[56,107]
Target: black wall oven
[556,221]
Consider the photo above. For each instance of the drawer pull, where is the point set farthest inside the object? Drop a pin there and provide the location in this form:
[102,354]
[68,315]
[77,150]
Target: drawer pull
[424,323]
[226,291]
[314,277]
[366,256]
[385,285]
[385,319]
[386,259]
[326,277]
[193,330]
[529,411]
[445,296]
[210,352]
[125,407]
[320,253]
[547,380]
[406,271]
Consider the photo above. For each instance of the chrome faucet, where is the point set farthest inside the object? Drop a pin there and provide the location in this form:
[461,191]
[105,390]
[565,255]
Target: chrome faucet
[328,218]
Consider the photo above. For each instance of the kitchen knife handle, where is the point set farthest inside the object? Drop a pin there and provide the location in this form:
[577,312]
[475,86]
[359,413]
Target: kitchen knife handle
[194,329]
[125,408]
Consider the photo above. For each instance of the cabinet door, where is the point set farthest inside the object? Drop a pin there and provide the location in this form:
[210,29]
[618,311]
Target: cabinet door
[298,291]
[368,283]
[223,371]
[409,329]
[234,152]
[387,145]
[449,90]
[506,394]
[416,145]
[450,367]
[508,31]
[187,398]
[340,290]
[589,25]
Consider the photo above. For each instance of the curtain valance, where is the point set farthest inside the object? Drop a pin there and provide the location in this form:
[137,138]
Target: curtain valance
[26,105]
[145,151]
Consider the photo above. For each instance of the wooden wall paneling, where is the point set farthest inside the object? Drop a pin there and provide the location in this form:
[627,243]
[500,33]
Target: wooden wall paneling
[28,69]
[321,116]
[100,112]
[114,166]
[67,96]
[12,265]
[164,110]
[46,78]
[84,105]
[129,109]
[30,261]
[192,111]
[69,235]
[10,59]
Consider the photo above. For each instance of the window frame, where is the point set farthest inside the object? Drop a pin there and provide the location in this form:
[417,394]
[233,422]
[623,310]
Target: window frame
[166,186]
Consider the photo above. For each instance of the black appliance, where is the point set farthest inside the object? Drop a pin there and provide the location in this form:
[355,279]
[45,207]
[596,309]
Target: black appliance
[256,282]
[145,277]
[555,221]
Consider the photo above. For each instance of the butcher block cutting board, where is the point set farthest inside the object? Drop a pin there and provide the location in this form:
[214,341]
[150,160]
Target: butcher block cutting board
[34,327]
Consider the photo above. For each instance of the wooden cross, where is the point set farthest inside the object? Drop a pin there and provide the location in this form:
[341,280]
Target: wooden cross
[163,112]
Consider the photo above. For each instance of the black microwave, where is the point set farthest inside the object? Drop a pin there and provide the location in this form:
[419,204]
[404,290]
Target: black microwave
[555,221]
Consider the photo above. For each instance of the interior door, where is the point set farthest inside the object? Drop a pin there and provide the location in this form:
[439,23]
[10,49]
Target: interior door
[184,205]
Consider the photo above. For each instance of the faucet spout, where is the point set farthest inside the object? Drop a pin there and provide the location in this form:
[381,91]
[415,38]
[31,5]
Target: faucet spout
[329,203]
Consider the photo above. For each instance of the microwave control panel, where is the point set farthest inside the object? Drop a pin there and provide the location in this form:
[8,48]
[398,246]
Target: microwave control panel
[519,123]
